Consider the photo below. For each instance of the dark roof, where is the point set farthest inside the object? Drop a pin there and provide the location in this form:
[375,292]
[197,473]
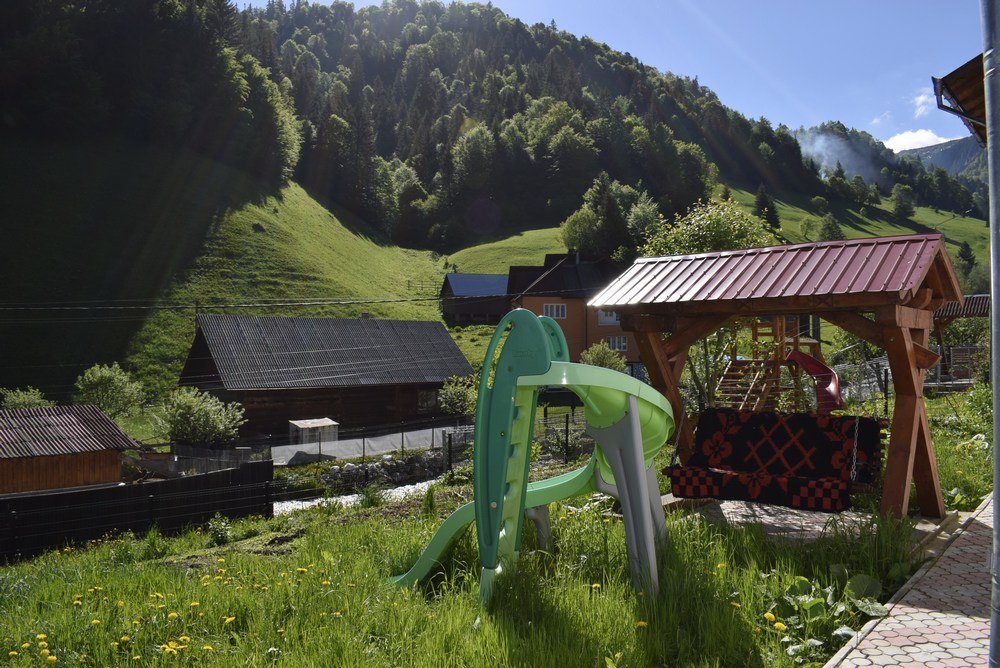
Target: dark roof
[476,285]
[253,353]
[62,430]
[562,275]
[794,276]
[963,90]
[976,306]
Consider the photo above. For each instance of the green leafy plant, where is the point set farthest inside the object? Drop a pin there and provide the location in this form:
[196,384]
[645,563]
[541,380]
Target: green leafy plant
[192,416]
[28,397]
[111,389]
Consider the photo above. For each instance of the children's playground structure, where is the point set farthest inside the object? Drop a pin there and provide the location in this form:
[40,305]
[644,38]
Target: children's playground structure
[628,420]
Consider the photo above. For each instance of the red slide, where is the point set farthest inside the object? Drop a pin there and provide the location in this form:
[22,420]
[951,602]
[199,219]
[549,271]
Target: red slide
[827,384]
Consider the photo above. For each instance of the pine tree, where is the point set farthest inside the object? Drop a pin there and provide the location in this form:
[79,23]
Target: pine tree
[764,208]
[966,258]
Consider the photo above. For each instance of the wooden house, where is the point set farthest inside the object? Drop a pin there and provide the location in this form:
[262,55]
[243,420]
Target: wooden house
[64,446]
[474,299]
[560,289]
[358,372]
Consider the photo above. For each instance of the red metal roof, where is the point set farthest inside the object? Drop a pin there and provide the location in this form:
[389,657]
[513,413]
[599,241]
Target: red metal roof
[62,430]
[885,266]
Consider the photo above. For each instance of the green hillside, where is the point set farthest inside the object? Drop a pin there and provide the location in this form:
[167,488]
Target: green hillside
[526,248]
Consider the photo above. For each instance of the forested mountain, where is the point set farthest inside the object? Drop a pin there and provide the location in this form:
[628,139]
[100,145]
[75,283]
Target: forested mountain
[439,124]
[832,147]
[962,158]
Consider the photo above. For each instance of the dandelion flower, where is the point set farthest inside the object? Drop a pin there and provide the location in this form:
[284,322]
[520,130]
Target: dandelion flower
[41,636]
[25,645]
[769,616]
[221,560]
[44,652]
[208,648]
[12,652]
[595,586]
[120,604]
[95,622]
[779,626]
[172,615]
[137,657]
[326,583]
[77,602]
[281,631]
[114,644]
[641,624]
[301,570]
[195,604]
[337,614]
[41,645]
[228,620]
[51,658]
[735,604]
[185,638]
[125,638]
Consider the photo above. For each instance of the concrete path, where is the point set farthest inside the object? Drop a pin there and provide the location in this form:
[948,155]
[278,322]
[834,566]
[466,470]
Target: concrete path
[941,617]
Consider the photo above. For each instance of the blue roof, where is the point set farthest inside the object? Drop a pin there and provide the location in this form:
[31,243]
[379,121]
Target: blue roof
[477,285]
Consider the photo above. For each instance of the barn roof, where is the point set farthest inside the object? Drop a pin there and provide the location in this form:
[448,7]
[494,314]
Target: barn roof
[562,275]
[852,275]
[255,353]
[975,306]
[61,430]
[476,285]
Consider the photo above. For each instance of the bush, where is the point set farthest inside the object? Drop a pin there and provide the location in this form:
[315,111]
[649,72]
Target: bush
[111,389]
[29,397]
[600,354]
[458,395]
[198,418]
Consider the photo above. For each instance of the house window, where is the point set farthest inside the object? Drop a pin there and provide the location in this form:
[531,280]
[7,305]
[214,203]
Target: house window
[427,401]
[607,317]
[619,343]
[554,311]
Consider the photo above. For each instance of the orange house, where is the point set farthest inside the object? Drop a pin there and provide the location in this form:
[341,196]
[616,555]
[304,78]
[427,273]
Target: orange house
[560,289]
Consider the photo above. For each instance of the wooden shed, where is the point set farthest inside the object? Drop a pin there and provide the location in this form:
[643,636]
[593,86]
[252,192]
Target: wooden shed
[359,372]
[64,446]
[474,299]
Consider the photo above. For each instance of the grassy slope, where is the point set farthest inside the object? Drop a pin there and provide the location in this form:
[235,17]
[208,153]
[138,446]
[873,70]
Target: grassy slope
[526,248]
[794,210]
[288,247]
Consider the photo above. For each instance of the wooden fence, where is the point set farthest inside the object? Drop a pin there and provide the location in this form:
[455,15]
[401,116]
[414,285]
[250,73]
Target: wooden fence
[33,523]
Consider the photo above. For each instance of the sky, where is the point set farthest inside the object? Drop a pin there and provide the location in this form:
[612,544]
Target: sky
[865,63]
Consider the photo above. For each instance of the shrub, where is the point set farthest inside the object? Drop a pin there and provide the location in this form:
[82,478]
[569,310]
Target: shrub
[600,354]
[458,395]
[29,397]
[111,389]
[198,418]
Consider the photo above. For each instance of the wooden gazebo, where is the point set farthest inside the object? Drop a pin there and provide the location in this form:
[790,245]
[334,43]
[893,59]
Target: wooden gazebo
[884,290]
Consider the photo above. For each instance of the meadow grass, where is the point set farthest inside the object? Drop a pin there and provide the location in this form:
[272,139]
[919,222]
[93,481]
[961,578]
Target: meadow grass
[312,589]
[495,257]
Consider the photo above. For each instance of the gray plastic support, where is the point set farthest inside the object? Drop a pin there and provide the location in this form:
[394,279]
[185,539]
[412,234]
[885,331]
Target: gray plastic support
[543,525]
[621,444]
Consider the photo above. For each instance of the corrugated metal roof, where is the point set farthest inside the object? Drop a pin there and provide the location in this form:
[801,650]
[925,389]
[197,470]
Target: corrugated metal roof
[783,274]
[976,306]
[562,275]
[61,430]
[254,353]
[963,88]
[476,285]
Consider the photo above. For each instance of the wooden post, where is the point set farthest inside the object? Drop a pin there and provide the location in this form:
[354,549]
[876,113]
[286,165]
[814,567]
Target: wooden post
[911,453]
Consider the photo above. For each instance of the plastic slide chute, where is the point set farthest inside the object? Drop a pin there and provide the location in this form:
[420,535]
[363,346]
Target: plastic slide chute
[827,383]
[628,420]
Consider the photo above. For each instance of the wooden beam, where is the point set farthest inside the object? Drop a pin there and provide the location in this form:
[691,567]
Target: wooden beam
[925,472]
[665,373]
[925,357]
[857,325]
[904,316]
[900,457]
[690,330]
[899,349]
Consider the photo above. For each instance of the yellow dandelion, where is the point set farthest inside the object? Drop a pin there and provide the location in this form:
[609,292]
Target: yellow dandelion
[281,631]
[77,602]
[95,622]
[228,620]
[44,652]
[172,615]
[185,638]
[137,657]
[301,570]
[41,636]
[25,645]
[125,638]
[779,626]
[337,614]
[51,658]
[195,604]
[769,616]
[172,644]
[221,560]
[595,586]
[735,604]
[156,594]
[120,604]
[99,588]
[12,652]
[208,648]
[114,644]
[41,645]
[641,624]
[720,565]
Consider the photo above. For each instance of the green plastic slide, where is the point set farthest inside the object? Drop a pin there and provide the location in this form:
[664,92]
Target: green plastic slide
[629,420]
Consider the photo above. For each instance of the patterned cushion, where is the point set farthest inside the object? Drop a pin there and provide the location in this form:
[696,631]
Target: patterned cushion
[799,460]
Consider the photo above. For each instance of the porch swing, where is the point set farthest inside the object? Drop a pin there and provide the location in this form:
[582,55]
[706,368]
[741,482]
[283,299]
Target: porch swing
[806,461]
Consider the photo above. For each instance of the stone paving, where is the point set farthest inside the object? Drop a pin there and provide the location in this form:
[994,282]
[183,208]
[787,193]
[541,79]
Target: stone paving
[941,617]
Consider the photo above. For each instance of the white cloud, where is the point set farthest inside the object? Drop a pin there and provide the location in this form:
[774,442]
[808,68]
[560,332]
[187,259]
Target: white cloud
[914,139]
[882,118]
[923,102]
